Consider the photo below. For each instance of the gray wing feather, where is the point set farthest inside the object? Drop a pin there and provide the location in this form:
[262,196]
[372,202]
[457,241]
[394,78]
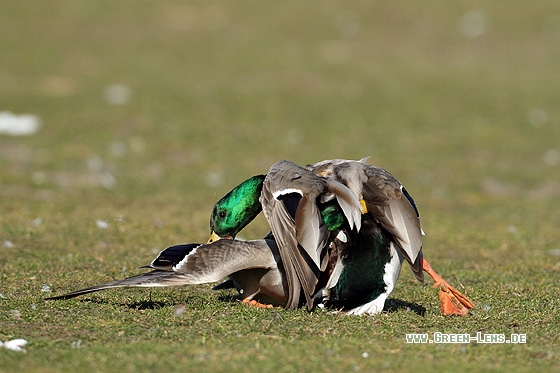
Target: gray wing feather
[301,238]
[386,203]
[204,264]
[283,229]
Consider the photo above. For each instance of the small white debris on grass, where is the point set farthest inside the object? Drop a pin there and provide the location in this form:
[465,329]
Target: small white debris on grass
[107,181]
[365,355]
[214,179]
[473,24]
[102,224]
[46,289]
[19,125]
[95,163]
[37,222]
[537,117]
[8,244]
[118,149]
[14,345]
[294,136]
[118,94]
[179,309]
[76,344]
[551,157]
[555,252]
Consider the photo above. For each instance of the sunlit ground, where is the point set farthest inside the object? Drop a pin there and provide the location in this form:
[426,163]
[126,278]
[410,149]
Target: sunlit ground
[121,123]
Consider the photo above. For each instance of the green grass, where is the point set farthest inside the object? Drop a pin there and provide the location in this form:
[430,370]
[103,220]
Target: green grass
[220,92]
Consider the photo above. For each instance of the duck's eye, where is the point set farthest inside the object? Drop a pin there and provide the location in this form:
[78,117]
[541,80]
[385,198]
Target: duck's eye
[222,214]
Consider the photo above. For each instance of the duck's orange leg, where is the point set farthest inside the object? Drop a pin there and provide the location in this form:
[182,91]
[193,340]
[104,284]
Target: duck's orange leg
[254,303]
[452,301]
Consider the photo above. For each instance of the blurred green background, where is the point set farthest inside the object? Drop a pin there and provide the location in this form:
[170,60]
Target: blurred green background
[152,110]
[167,105]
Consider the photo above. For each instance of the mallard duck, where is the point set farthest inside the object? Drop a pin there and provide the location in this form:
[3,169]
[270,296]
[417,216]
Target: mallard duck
[252,268]
[368,261]
[288,196]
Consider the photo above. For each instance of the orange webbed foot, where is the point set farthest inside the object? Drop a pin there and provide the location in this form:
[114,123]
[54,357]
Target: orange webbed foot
[452,301]
[254,303]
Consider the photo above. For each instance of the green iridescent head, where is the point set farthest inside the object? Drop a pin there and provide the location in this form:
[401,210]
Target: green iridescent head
[236,209]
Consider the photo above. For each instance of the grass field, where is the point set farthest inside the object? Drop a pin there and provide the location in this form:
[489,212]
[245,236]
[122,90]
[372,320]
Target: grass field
[152,110]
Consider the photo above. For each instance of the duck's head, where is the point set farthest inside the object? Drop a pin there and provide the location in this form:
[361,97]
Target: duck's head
[236,209]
